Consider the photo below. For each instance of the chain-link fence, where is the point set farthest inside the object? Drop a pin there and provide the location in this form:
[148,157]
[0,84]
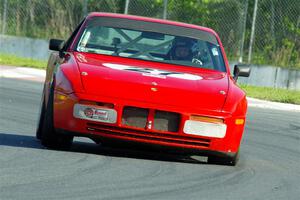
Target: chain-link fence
[257,31]
[277,32]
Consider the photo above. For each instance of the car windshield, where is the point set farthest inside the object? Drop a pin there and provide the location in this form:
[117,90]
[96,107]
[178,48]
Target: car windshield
[153,46]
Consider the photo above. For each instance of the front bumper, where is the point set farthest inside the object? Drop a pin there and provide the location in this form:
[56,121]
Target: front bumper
[64,120]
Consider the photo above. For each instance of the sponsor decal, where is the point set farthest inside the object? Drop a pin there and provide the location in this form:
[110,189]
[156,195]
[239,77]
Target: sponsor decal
[154,72]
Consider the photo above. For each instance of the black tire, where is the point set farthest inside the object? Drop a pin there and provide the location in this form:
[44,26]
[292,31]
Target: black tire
[228,160]
[40,122]
[49,137]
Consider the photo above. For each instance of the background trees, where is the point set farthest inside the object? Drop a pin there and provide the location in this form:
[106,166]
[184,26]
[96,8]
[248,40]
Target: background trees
[277,33]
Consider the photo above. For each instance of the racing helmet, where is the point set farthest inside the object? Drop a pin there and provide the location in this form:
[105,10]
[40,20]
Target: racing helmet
[182,49]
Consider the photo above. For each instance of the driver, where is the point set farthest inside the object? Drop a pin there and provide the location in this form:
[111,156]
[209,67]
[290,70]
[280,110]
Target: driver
[182,49]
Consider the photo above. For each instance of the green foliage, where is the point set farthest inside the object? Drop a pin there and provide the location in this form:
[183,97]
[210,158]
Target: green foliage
[277,33]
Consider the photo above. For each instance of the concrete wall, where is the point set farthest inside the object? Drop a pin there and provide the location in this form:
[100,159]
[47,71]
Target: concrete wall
[24,47]
[268,76]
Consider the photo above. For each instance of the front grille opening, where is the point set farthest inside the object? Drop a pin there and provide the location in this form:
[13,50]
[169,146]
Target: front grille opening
[136,117]
[166,121]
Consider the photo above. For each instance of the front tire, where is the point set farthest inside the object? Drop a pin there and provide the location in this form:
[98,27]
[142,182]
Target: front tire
[38,132]
[49,137]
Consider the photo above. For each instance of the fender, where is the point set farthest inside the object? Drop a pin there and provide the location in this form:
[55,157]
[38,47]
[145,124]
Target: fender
[236,102]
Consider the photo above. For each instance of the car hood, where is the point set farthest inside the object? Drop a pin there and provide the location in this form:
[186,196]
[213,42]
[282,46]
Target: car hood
[152,82]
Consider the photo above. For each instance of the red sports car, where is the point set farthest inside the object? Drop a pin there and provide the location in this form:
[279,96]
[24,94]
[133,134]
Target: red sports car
[143,80]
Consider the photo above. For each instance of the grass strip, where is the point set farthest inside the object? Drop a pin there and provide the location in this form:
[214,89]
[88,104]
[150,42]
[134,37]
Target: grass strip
[6,59]
[272,94]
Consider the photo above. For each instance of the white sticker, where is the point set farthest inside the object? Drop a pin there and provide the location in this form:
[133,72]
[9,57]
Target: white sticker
[215,51]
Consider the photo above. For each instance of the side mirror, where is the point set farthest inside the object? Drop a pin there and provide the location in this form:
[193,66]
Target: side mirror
[241,70]
[56,45]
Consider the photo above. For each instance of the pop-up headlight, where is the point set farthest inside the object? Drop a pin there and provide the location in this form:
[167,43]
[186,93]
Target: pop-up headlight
[205,126]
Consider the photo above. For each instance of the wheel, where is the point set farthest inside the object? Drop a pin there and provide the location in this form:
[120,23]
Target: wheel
[49,137]
[41,115]
[228,160]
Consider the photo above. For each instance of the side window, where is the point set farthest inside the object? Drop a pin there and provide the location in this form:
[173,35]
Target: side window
[216,56]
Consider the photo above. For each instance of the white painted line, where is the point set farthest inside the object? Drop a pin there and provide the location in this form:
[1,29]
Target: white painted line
[12,74]
[272,105]
[30,71]
[22,73]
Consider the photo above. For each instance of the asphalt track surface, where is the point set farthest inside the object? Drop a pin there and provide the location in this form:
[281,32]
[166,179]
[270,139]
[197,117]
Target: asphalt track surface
[269,166]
